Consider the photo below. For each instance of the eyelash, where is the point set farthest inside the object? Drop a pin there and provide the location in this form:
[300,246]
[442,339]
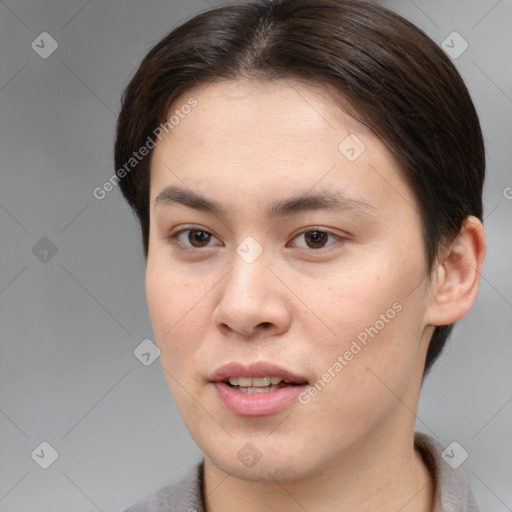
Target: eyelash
[174,237]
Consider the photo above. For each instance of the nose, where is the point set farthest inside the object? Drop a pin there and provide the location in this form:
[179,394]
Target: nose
[251,301]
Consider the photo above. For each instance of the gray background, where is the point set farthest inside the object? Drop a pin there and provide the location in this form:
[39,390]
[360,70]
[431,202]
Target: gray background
[70,321]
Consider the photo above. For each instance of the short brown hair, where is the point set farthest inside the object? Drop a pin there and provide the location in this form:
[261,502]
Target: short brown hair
[395,79]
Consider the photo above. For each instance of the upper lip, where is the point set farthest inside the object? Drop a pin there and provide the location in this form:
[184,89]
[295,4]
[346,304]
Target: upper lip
[255,369]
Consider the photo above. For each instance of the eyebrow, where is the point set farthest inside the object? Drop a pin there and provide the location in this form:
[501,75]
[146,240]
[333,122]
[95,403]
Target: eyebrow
[325,199]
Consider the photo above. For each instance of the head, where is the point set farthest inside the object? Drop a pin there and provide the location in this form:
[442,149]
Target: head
[312,189]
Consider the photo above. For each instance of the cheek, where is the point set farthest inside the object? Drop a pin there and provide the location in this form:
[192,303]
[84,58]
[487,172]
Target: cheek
[365,376]
[176,309]
[372,317]
[179,320]
[349,301]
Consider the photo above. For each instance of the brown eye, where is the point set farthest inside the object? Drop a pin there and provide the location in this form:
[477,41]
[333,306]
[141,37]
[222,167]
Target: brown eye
[195,238]
[198,238]
[316,239]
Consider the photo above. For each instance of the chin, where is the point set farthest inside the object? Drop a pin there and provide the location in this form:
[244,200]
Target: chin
[261,460]
[265,471]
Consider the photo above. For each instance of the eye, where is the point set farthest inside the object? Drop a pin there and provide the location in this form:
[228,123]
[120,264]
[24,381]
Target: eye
[316,239]
[195,238]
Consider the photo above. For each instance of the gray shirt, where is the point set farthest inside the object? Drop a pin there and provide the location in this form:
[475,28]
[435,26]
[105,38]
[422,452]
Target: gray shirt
[452,491]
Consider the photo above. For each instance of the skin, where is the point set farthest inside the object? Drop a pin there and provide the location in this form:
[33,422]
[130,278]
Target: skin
[246,145]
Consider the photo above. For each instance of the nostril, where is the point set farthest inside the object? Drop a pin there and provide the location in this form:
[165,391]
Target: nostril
[265,325]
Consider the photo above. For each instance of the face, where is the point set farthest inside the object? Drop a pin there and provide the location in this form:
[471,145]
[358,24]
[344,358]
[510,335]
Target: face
[284,243]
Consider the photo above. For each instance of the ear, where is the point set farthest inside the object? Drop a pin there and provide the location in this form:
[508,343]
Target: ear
[457,275]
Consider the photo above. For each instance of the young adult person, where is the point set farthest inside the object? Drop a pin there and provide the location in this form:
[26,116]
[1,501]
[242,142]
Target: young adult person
[308,178]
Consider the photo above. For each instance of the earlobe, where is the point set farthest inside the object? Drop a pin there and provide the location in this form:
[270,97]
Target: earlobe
[457,275]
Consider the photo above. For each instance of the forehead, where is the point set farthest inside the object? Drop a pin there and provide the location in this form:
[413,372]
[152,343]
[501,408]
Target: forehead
[257,138]
[263,114]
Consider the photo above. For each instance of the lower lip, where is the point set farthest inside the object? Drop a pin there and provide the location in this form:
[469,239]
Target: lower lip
[257,404]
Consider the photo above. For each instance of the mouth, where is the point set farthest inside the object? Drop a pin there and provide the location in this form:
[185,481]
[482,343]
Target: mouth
[253,385]
[260,375]
[256,389]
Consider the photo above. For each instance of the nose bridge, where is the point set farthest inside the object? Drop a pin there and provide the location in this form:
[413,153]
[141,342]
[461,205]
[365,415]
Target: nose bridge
[249,298]
[247,278]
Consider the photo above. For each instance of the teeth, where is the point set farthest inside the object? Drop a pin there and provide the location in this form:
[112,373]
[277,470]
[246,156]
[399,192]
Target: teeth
[260,382]
[251,391]
[255,382]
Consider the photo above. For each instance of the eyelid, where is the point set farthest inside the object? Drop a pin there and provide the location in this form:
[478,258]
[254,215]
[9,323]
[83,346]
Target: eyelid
[187,227]
[174,234]
[323,230]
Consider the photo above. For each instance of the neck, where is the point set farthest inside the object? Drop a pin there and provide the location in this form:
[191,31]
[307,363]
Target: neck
[385,474]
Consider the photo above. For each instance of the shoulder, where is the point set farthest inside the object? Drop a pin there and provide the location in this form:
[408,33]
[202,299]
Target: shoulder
[452,489]
[186,495]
